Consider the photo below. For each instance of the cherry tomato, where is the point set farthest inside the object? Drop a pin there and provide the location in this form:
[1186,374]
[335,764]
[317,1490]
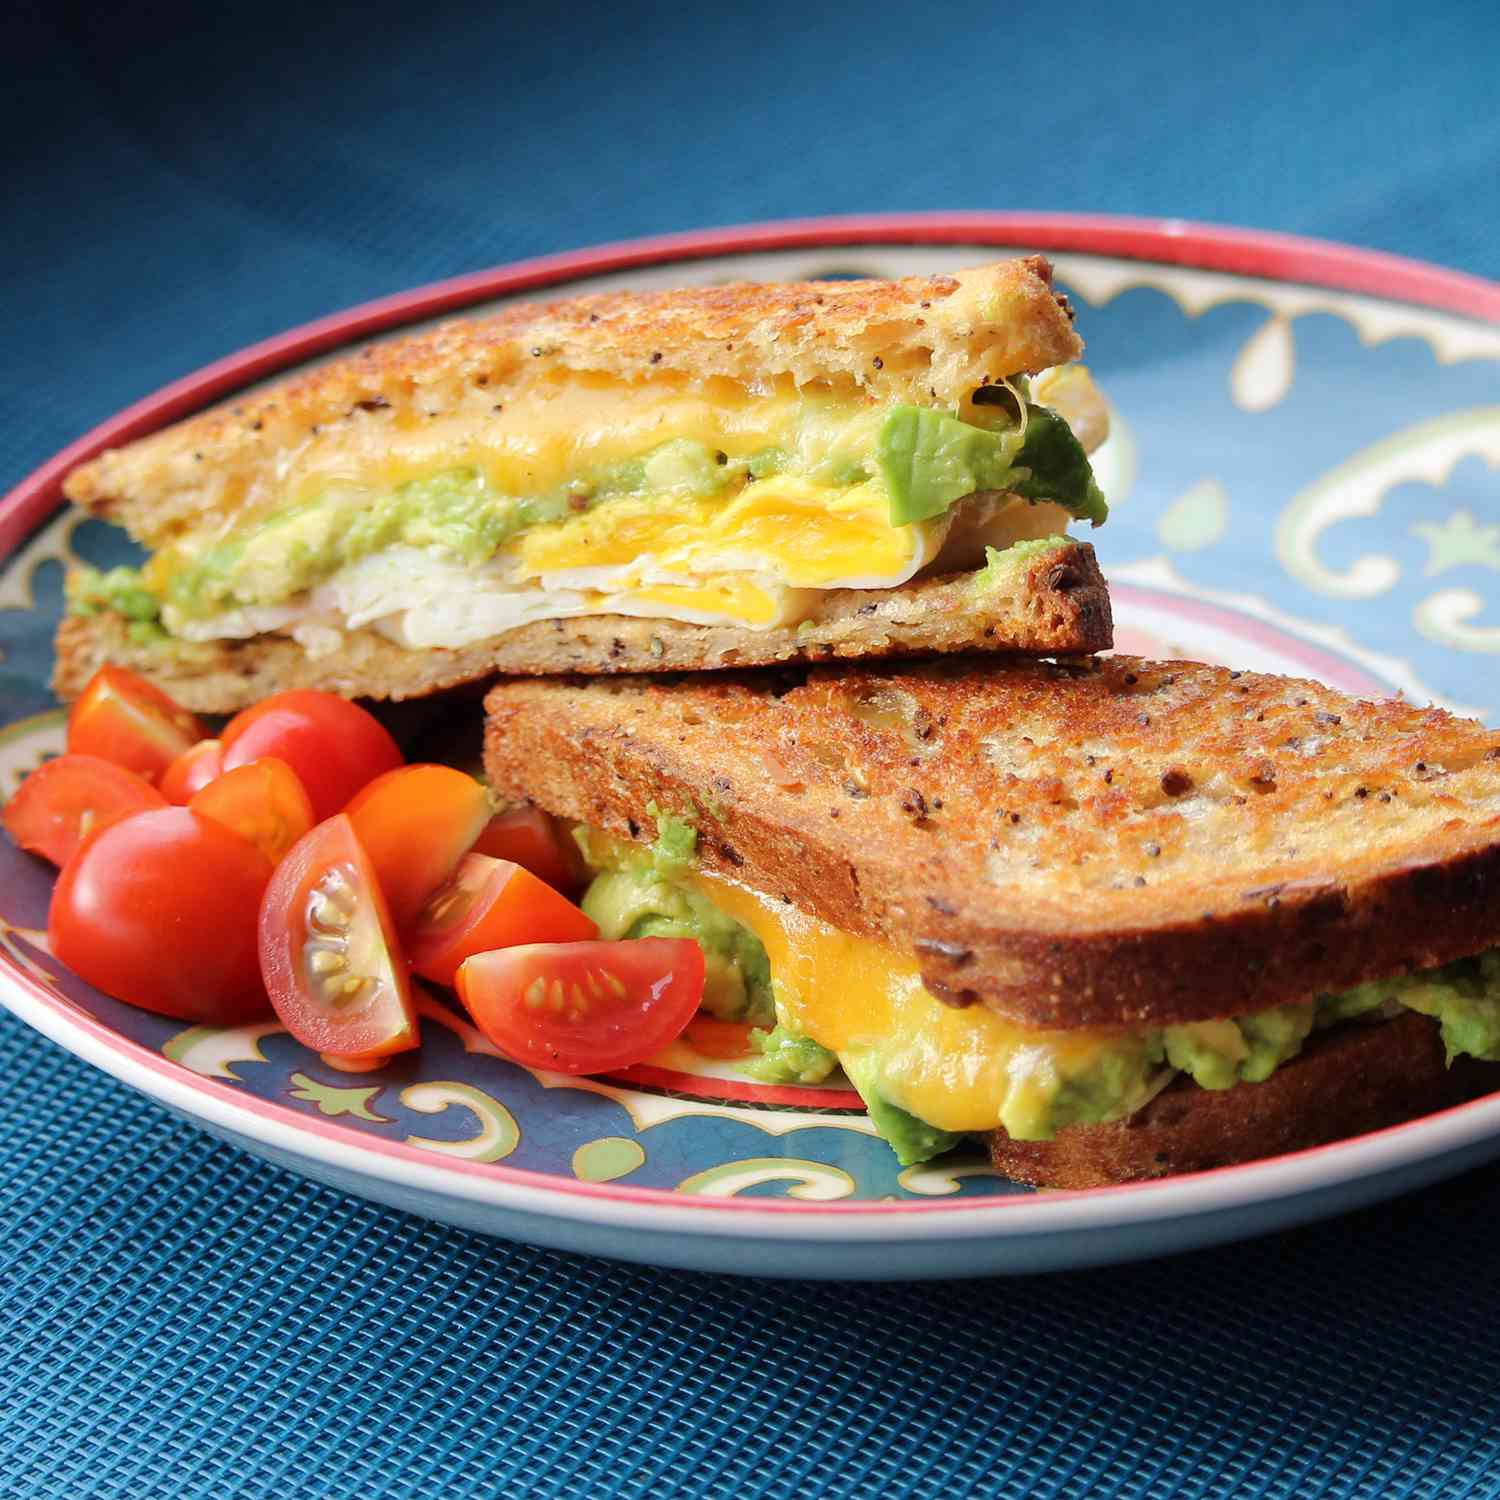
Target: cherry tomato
[416,823]
[489,903]
[160,910]
[192,771]
[729,1040]
[328,951]
[122,717]
[584,1007]
[528,837]
[334,746]
[65,800]
[263,802]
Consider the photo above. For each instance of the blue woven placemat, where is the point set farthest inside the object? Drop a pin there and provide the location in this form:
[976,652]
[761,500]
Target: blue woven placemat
[177,1320]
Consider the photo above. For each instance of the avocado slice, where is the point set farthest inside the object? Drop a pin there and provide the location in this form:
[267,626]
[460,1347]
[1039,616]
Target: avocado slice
[929,459]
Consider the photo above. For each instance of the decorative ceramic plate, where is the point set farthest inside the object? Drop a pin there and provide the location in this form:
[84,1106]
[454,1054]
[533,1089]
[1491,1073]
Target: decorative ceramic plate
[1303,474]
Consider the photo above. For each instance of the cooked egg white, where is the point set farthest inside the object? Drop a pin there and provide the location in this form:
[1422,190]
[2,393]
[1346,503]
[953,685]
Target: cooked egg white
[765,571]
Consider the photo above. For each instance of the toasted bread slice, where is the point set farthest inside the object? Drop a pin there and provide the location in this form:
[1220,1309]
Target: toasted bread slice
[926,340]
[1112,843]
[1056,603]
[1345,1082]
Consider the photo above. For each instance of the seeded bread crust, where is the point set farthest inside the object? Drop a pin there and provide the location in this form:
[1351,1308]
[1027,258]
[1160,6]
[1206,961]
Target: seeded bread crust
[1345,1083]
[1111,843]
[929,340]
[1056,603]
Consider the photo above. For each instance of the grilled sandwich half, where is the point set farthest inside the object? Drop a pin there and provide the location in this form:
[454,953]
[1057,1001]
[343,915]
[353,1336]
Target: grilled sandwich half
[1120,919]
[734,475]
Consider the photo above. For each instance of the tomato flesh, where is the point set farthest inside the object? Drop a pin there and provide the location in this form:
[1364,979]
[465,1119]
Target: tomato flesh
[490,903]
[584,1007]
[160,910]
[263,802]
[121,717]
[335,747]
[66,799]
[416,823]
[192,771]
[530,838]
[328,950]
[727,1040]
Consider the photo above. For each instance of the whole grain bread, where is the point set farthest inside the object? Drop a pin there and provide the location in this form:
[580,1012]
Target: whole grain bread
[1346,1082]
[1055,602]
[929,340]
[1094,844]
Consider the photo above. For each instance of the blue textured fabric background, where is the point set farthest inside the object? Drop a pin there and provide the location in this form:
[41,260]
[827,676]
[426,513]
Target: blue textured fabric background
[178,1320]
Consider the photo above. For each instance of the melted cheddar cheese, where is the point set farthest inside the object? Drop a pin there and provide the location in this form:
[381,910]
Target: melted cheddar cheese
[958,1069]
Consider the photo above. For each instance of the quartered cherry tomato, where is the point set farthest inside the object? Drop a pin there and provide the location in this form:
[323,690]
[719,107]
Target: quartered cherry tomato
[584,1007]
[416,823]
[263,802]
[122,718]
[328,951]
[489,903]
[65,800]
[160,910]
[335,747]
[192,771]
[530,838]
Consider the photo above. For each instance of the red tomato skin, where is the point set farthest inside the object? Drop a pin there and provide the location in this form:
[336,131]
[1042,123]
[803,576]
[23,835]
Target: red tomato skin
[192,771]
[282,933]
[263,802]
[335,746]
[528,837]
[160,911]
[43,815]
[630,999]
[416,823]
[121,717]
[510,906]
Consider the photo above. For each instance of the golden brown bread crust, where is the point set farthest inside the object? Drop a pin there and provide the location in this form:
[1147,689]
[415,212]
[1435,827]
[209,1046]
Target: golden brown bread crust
[1346,1082]
[1122,842]
[1056,603]
[931,340]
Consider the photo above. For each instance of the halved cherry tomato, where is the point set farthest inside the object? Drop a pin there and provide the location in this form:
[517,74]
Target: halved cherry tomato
[528,837]
[584,1007]
[728,1040]
[328,951]
[122,717]
[65,800]
[334,746]
[490,903]
[263,802]
[416,823]
[192,771]
[160,910]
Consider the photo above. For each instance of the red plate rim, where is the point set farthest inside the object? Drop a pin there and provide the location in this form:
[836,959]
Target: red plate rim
[1254,253]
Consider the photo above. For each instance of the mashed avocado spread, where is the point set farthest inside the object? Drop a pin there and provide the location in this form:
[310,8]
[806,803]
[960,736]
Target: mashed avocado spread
[926,459]
[640,892]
